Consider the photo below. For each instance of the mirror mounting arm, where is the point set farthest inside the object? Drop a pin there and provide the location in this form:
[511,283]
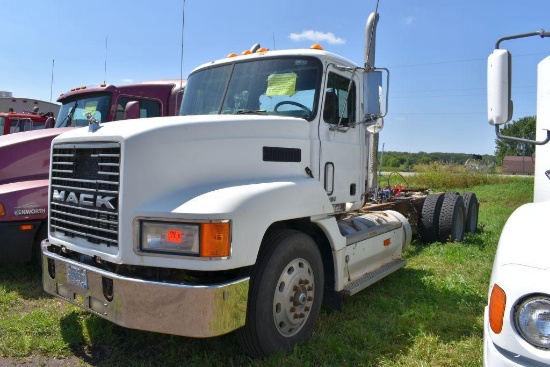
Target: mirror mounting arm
[521,140]
[542,33]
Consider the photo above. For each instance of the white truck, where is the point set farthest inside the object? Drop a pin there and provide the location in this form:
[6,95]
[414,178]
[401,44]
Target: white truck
[517,317]
[243,213]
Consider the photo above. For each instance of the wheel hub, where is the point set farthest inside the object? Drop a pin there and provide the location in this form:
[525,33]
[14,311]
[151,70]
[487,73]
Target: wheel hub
[293,298]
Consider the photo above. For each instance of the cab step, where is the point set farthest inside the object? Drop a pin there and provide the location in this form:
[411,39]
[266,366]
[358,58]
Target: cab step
[372,277]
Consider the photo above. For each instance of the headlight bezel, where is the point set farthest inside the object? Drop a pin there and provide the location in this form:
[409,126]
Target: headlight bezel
[205,247]
[524,319]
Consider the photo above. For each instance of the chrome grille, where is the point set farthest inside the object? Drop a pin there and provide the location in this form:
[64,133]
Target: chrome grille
[85,191]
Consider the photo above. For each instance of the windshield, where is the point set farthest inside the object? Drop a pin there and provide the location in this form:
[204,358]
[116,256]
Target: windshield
[73,112]
[274,86]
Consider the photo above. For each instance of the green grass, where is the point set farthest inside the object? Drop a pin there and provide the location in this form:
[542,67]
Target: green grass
[428,314]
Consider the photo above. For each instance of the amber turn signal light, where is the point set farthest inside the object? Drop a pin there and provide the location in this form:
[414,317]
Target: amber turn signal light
[497,305]
[215,239]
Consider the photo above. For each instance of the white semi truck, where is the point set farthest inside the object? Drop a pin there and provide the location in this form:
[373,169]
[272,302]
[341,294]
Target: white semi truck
[246,212]
[517,317]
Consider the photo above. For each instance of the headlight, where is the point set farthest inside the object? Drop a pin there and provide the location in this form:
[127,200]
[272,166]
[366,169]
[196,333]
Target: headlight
[532,320]
[178,238]
[212,239]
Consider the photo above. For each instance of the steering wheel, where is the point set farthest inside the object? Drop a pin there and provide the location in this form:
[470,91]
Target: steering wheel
[294,104]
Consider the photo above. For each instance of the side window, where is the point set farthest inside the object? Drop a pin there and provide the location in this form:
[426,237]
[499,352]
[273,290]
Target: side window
[338,103]
[2,125]
[15,125]
[147,108]
[38,125]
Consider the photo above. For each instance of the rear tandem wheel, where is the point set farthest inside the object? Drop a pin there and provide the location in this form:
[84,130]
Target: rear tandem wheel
[452,219]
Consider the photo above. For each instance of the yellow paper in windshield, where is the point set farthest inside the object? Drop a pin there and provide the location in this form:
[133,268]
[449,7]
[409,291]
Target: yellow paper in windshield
[90,107]
[281,84]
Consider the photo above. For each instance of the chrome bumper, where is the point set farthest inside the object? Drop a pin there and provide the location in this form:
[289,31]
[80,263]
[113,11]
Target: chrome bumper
[178,309]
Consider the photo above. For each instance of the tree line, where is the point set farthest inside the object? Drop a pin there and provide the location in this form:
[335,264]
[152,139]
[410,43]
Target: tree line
[405,160]
[524,127]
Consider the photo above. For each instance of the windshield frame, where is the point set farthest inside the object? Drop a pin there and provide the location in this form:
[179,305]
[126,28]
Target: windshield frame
[278,86]
[85,102]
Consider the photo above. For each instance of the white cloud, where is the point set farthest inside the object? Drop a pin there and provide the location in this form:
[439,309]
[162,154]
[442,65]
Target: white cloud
[128,80]
[408,20]
[316,36]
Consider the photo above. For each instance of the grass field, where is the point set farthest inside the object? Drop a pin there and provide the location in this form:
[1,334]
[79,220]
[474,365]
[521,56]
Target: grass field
[428,314]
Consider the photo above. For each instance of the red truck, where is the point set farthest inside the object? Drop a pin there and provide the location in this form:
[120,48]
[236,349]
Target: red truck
[25,163]
[15,122]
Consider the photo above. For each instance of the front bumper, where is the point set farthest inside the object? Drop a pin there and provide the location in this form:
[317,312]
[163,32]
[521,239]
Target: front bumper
[16,244]
[170,308]
[493,355]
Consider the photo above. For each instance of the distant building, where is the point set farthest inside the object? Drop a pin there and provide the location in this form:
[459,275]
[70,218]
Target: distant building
[512,165]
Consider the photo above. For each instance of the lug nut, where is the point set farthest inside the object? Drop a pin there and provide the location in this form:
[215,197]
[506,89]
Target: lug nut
[309,298]
[310,288]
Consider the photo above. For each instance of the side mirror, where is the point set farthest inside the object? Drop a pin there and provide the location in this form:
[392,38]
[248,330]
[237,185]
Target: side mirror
[499,86]
[50,123]
[374,96]
[131,111]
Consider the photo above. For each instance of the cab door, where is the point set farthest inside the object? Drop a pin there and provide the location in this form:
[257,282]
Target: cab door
[342,142]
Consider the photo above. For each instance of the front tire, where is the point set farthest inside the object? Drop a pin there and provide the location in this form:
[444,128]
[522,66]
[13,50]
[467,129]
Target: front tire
[286,290]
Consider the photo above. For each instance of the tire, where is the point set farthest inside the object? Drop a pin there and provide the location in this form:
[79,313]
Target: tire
[429,218]
[472,210]
[285,294]
[452,219]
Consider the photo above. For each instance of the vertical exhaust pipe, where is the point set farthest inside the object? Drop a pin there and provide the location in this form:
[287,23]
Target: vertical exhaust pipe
[372,137]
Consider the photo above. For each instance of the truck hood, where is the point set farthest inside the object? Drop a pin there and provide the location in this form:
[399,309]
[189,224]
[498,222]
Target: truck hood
[26,155]
[524,239]
[186,156]
[201,126]
[249,170]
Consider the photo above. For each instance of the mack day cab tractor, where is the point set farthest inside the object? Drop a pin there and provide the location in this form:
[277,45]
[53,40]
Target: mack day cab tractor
[25,157]
[243,213]
[517,317]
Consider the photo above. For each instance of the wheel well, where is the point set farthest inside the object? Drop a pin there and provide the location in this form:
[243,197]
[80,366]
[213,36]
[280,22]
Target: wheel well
[306,226]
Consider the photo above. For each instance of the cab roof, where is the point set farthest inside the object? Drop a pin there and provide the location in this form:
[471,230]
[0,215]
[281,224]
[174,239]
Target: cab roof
[319,54]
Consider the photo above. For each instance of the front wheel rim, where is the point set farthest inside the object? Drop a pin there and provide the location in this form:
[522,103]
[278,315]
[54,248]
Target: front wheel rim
[293,298]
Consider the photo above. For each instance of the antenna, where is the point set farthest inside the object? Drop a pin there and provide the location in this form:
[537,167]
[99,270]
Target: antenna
[274,48]
[181,57]
[105,71]
[51,84]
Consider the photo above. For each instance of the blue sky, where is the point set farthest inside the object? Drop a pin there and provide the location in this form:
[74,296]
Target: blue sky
[436,51]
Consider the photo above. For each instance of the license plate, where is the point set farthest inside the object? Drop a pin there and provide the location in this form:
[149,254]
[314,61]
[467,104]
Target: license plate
[77,276]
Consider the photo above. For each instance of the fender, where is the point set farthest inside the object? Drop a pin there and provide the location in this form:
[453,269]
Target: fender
[523,236]
[26,200]
[247,205]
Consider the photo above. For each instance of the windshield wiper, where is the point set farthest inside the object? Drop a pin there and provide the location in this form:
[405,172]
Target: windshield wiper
[68,118]
[71,115]
[251,112]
